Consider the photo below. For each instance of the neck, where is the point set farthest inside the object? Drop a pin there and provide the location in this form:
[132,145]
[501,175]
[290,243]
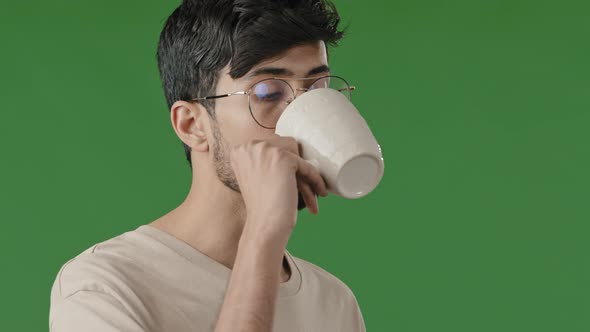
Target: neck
[211,220]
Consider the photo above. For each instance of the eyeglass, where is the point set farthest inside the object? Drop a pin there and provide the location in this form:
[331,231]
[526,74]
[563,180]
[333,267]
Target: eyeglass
[268,98]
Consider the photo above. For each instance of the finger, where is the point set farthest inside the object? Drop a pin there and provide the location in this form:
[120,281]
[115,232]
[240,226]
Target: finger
[300,202]
[286,142]
[304,169]
[312,176]
[308,196]
[310,172]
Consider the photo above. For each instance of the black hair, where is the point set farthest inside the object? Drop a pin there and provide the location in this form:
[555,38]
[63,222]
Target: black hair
[201,37]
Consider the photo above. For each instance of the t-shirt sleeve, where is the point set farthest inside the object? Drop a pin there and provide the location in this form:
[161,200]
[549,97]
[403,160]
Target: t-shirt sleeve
[357,317]
[92,311]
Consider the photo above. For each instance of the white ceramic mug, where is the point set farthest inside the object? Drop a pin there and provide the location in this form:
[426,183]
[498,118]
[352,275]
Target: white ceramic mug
[336,139]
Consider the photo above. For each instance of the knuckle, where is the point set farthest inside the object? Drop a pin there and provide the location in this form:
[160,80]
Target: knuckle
[293,144]
[278,153]
[240,149]
[260,145]
[291,140]
[234,151]
[284,153]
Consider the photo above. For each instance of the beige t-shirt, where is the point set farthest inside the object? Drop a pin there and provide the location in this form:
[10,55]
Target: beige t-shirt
[148,280]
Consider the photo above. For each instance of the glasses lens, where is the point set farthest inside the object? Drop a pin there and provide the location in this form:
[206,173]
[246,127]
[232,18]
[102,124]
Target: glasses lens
[268,100]
[333,82]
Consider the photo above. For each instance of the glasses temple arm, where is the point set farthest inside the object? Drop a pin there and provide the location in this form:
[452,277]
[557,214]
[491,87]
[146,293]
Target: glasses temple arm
[220,96]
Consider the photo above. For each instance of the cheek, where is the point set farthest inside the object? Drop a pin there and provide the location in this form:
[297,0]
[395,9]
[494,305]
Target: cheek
[236,123]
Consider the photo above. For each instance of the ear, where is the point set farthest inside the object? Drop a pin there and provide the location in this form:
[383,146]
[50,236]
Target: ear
[191,123]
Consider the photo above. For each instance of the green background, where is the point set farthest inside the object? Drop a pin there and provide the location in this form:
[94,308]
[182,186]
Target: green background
[481,108]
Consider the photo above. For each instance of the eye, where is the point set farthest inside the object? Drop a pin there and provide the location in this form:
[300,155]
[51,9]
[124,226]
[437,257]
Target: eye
[268,92]
[273,96]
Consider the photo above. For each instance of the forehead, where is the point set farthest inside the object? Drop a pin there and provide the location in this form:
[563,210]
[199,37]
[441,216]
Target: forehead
[297,61]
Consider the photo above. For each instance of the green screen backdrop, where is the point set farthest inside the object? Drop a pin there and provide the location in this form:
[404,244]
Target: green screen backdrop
[481,109]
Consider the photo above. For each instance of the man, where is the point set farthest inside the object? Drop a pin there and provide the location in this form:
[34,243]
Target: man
[218,262]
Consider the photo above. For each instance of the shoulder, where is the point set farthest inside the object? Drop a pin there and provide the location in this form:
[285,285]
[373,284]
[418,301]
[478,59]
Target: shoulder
[332,294]
[325,281]
[92,289]
[102,267]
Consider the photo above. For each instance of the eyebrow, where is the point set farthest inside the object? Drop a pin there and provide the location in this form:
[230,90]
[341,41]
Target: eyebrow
[285,72]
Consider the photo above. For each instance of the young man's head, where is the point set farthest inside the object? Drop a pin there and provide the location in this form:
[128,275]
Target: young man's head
[217,47]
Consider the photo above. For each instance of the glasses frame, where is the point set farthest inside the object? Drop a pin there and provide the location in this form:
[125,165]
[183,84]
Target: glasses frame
[249,91]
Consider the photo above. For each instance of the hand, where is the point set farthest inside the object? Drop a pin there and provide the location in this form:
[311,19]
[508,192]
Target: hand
[270,174]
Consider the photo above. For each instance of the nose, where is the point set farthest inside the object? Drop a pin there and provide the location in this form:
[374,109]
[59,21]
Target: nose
[299,91]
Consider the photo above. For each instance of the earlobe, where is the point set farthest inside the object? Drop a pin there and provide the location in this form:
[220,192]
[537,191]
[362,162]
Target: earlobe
[190,121]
